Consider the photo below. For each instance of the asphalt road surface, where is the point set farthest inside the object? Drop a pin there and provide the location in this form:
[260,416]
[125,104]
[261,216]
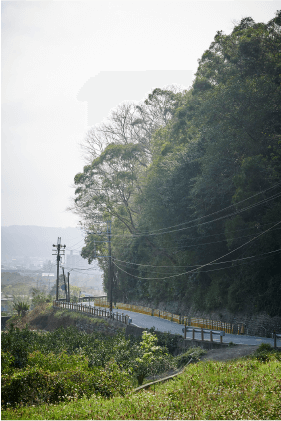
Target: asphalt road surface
[162,325]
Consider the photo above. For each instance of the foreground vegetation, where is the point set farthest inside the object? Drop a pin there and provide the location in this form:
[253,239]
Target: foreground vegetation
[248,388]
[68,364]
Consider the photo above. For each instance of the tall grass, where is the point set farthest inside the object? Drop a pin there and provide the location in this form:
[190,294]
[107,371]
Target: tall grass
[243,389]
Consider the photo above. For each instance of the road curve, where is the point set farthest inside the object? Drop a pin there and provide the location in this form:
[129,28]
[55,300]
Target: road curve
[162,325]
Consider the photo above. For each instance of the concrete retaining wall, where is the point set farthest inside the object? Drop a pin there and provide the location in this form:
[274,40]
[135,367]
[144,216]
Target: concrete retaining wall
[182,343]
[260,324]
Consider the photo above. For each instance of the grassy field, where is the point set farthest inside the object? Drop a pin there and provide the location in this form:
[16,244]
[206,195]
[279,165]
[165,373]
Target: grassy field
[249,388]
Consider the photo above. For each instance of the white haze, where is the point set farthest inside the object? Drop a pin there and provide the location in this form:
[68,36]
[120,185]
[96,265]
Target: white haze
[66,64]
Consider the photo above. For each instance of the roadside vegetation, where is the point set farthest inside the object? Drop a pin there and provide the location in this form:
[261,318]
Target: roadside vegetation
[71,375]
[67,364]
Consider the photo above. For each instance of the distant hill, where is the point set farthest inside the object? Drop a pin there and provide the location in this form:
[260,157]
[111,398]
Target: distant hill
[32,240]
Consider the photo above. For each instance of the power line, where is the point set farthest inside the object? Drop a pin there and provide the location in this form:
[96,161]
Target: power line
[92,268]
[203,223]
[69,247]
[185,266]
[210,235]
[221,210]
[241,262]
[207,264]
[212,242]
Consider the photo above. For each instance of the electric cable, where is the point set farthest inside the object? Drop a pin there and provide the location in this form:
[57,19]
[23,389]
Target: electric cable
[75,244]
[207,264]
[230,267]
[221,210]
[185,266]
[203,223]
[156,232]
[210,235]
[240,262]
[91,268]
[205,216]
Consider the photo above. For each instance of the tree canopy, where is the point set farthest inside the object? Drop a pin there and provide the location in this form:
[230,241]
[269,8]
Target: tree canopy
[191,182]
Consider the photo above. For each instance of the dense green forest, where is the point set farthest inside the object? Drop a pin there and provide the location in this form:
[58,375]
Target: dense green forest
[191,182]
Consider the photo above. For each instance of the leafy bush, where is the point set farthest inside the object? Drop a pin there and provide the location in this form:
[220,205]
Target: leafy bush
[40,297]
[151,358]
[166,340]
[7,362]
[67,363]
[36,386]
[264,351]
[57,362]
[264,347]
[18,344]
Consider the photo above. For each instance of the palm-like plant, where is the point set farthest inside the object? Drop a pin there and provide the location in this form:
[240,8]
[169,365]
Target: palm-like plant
[21,308]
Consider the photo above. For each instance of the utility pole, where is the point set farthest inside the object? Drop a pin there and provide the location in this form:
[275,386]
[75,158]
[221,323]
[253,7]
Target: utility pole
[65,287]
[109,265]
[68,295]
[110,272]
[58,251]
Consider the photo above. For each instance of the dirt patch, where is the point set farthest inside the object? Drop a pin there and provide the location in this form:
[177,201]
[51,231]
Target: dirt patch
[229,353]
[41,313]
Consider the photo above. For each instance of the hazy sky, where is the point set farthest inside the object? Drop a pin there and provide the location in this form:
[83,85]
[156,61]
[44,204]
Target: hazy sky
[65,64]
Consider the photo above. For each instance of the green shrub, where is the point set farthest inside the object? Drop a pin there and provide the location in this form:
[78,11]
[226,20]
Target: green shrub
[35,386]
[57,362]
[17,343]
[264,347]
[264,351]
[166,340]
[151,358]
[7,362]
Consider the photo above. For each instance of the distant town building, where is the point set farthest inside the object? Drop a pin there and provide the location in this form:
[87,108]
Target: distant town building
[75,261]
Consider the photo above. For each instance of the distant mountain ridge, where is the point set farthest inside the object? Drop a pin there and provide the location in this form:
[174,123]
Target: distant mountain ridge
[32,240]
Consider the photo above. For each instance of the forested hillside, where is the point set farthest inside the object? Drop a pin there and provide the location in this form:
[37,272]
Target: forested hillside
[191,182]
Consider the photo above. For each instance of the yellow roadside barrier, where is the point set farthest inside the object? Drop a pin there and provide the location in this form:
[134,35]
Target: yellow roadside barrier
[194,321]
